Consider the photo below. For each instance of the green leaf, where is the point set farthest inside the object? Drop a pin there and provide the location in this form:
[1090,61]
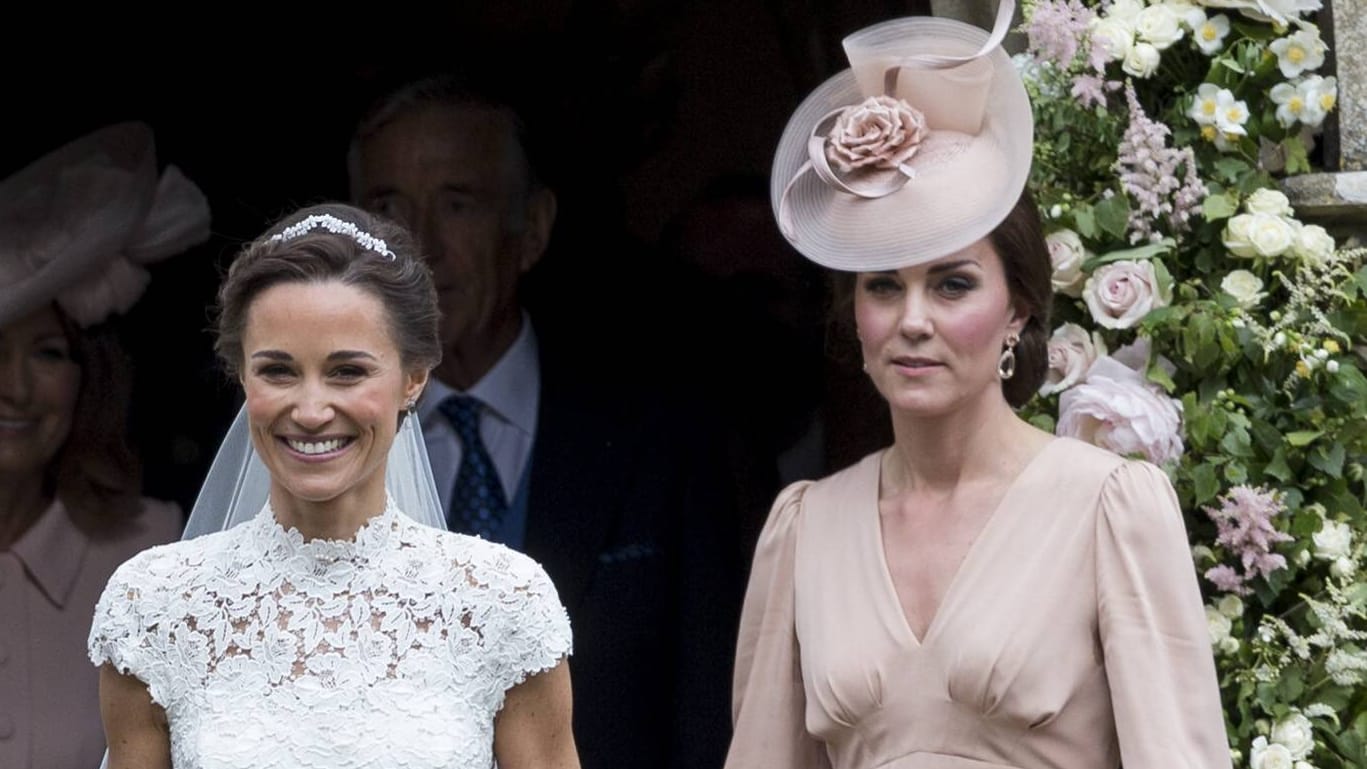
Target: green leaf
[1231,169]
[1277,467]
[1084,221]
[1205,482]
[1113,215]
[1303,437]
[1328,459]
[1136,254]
[1297,159]
[1217,207]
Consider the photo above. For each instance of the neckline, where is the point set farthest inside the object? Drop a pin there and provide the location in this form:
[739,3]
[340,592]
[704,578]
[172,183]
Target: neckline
[989,526]
[368,541]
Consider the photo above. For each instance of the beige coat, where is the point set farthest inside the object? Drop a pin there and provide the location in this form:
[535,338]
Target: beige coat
[49,582]
[1072,637]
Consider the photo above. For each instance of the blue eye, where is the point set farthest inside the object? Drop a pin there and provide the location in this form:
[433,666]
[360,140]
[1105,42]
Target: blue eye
[881,285]
[956,285]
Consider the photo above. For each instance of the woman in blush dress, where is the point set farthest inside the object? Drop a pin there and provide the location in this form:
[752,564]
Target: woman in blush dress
[980,593]
[333,628]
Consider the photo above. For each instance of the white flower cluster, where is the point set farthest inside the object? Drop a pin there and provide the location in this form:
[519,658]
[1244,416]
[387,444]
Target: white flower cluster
[1268,229]
[1220,622]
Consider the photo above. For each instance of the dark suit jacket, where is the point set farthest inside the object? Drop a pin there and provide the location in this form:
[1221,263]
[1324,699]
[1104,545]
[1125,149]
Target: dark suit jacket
[631,510]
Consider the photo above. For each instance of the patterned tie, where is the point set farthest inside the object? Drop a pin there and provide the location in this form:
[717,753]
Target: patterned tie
[477,502]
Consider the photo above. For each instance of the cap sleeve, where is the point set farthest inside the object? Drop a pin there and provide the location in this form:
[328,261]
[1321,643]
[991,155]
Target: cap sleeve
[124,626]
[768,702]
[1159,663]
[536,630]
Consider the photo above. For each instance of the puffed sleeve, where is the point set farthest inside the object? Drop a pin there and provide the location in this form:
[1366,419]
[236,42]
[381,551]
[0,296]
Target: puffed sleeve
[768,703]
[536,632]
[1159,663]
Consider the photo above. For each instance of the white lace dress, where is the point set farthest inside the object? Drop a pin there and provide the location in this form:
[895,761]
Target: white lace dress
[394,649]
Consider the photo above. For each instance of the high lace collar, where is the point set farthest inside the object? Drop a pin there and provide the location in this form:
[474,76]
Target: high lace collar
[370,540]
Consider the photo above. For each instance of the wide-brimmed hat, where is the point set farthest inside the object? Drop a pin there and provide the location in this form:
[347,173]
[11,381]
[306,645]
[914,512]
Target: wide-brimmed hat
[919,149]
[78,225]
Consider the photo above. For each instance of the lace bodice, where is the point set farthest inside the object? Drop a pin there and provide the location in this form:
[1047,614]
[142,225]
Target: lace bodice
[394,649]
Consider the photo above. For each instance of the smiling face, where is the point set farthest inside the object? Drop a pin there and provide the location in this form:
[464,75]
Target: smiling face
[39,384]
[932,334]
[324,386]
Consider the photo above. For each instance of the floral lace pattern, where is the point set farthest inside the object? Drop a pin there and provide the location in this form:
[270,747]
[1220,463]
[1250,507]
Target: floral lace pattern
[394,649]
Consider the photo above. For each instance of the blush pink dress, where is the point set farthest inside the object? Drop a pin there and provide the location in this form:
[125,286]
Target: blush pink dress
[1073,635]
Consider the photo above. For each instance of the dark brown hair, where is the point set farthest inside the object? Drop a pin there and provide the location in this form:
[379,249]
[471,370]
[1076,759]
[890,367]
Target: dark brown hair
[97,473]
[398,278]
[1019,243]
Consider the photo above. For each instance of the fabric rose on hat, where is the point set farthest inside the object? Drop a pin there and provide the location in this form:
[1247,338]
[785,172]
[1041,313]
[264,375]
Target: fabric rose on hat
[881,132]
[1116,408]
[1121,293]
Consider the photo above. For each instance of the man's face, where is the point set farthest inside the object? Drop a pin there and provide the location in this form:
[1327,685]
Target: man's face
[452,175]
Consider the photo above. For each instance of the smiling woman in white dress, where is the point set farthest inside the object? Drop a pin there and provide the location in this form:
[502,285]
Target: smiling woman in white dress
[332,629]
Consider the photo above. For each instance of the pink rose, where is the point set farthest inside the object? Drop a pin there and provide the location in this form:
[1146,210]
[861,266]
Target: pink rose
[1117,409]
[1072,351]
[1119,294]
[881,131]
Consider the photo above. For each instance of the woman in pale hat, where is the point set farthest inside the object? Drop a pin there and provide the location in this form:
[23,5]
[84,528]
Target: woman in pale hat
[980,593]
[77,227]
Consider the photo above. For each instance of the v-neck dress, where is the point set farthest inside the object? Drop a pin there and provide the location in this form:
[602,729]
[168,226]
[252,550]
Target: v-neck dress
[1073,635]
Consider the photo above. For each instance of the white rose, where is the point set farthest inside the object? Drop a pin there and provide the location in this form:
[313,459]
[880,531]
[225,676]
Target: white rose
[1265,756]
[1117,409]
[1334,540]
[1159,25]
[1142,60]
[1270,235]
[1343,568]
[1119,294]
[1313,243]
[1067,254]
[1231,606]
[1229,646]
[1114,36]
[1245,287]
[1238,236]
[1296,734]
[1072,351]
[1218,625]
[1268,201]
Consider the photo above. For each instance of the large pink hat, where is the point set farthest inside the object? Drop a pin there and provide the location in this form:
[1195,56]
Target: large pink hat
[919,149]
[78,225]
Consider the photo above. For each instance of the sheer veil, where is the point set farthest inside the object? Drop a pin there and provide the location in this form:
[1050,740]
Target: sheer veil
[236,486]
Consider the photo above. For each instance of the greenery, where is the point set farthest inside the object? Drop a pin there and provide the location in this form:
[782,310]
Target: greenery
[1163,130]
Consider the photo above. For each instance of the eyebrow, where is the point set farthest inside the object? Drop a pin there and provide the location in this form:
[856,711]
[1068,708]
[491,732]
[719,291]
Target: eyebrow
[945,267]
[281,355]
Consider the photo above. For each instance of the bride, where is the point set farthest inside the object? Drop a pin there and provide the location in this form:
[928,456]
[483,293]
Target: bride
[332,628]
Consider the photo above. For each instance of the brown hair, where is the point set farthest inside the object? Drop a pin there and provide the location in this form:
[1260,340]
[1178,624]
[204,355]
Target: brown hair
[398,278]
[97,473]
[1019,243]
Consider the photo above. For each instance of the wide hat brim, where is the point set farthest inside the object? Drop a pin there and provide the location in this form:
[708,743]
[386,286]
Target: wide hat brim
[64,216]
[964,184]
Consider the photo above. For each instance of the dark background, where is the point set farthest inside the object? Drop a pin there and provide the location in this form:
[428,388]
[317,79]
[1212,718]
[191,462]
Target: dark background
[641,105]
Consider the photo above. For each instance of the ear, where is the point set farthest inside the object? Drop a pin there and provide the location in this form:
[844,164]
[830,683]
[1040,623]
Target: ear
[541,210]
[1020,316]
[414,384]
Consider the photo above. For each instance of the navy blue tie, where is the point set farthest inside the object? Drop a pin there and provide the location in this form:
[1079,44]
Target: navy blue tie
[477,500]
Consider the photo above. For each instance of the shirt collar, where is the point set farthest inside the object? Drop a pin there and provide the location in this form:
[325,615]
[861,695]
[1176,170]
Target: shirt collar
[52,551]
[509,389]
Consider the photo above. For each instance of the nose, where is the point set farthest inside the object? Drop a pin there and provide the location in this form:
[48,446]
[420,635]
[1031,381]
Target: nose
[314,409]
[16,381]
[915,322]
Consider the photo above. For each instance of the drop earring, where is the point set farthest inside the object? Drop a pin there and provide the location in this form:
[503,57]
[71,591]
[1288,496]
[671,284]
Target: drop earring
[1006,364]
